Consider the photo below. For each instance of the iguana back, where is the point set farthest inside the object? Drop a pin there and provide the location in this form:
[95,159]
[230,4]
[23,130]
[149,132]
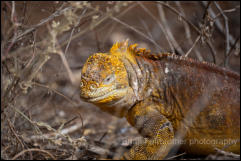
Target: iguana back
[199,98]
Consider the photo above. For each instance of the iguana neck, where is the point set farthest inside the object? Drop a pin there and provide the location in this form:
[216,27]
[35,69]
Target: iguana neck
[172,80]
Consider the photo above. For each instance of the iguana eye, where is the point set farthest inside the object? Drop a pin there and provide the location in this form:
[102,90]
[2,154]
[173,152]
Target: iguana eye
[109,79]
[92,87]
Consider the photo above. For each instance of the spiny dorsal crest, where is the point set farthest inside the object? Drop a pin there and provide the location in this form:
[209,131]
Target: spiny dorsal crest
[121,49]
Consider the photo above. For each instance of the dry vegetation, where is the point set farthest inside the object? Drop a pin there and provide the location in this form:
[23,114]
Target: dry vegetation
[44,45]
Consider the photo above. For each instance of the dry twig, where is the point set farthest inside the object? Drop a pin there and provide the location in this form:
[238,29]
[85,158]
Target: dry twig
[33,149]
[168,31]
[194,44]
[226,30]
[160,25]
[188,33]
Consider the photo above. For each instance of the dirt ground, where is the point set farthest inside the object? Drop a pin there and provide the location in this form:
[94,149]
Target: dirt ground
[45,44]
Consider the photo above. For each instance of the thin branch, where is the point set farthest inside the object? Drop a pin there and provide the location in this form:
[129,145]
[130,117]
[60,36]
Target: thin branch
[113,25]
[181,16]
[41,43]
[206,10]
[66,64]
[168,31]
[13,12]
[24,11]
[33,149]
[70,37]
[109,15]
[54,90]
[206,33]
[217,22]
[61,132]
[137,31]
[28,119]
[14,27]
[189,51]
[56,48]
[30,71]
[14,133]
[159,24]
[71,34]
[227,11]
[67,122]
[57,13]
[225,153]
[102,137]
[226,60]
[172,157]
[226,29]
[146,27]
[213,51]
[188,33]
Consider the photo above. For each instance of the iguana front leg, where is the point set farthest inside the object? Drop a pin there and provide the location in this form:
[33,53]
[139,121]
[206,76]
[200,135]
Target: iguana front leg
[154,127]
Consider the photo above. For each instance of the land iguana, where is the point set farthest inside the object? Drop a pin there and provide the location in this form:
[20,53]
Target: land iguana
[165,96]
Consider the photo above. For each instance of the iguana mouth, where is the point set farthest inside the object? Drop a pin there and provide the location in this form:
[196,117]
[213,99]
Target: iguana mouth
[107,94]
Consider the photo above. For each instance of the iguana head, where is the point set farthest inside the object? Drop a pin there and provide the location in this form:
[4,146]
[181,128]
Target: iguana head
[105,82]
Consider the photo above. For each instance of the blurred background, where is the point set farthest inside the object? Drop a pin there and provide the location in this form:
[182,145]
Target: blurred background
[45,44]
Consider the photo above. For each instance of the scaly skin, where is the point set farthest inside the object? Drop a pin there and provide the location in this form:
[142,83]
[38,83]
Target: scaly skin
[164,95]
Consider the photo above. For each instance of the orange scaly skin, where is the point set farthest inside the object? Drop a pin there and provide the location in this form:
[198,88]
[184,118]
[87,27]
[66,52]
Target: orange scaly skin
[164,95]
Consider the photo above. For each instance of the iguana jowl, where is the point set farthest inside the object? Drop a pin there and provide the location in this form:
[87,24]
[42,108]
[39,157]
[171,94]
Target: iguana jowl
[164,95]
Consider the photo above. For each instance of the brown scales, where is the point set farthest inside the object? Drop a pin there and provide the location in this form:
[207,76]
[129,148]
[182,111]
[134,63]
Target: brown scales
[184,61]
